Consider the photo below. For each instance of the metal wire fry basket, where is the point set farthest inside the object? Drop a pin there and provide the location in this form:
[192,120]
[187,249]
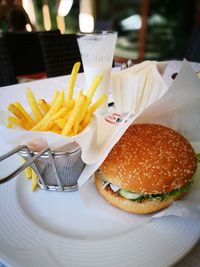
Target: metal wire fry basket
[57,171]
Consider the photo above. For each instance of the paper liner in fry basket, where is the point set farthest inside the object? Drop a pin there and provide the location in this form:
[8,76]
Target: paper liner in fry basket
[176,107]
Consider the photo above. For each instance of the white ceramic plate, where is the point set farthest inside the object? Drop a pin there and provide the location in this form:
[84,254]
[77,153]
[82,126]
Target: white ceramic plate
[54,229]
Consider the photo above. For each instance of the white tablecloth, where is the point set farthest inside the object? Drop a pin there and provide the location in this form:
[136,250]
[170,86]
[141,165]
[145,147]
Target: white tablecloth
[192,259]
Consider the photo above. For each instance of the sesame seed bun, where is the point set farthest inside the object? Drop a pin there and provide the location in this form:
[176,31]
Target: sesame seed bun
[148,159]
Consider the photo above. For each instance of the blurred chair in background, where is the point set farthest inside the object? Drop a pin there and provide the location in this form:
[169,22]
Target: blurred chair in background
[18,20]
[193,50]
[142,37]
[60,52]
[26,54]
[7,75]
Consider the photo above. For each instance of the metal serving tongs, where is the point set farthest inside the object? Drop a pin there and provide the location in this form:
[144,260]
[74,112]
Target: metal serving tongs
[29,162]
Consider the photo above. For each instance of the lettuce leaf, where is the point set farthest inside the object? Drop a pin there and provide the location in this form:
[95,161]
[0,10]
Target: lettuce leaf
[174,193]
[198,157]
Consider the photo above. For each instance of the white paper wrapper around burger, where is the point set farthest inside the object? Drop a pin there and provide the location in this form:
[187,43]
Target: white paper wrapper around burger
[176,106]
[179,109]
[187,208]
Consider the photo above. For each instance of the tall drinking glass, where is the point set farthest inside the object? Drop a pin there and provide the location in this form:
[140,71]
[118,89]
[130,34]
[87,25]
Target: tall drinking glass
[97,51]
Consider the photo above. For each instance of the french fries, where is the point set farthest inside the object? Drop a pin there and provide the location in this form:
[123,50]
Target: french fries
[34,106]
[91,109]
[30,174]
[64,114]
[34,180]
[43,105]
[72,80]
[46,122]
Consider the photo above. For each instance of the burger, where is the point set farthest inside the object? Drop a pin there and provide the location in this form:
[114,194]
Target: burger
[150,167]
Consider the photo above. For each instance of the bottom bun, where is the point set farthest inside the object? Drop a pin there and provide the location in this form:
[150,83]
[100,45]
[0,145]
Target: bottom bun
[147,206]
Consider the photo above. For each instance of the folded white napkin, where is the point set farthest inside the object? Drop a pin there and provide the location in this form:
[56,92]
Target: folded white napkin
[136,88]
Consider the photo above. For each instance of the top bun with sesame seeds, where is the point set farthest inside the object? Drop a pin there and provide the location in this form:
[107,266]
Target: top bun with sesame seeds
[150,162]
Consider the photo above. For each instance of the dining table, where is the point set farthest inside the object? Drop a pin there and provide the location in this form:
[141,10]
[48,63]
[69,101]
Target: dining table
[56,229]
